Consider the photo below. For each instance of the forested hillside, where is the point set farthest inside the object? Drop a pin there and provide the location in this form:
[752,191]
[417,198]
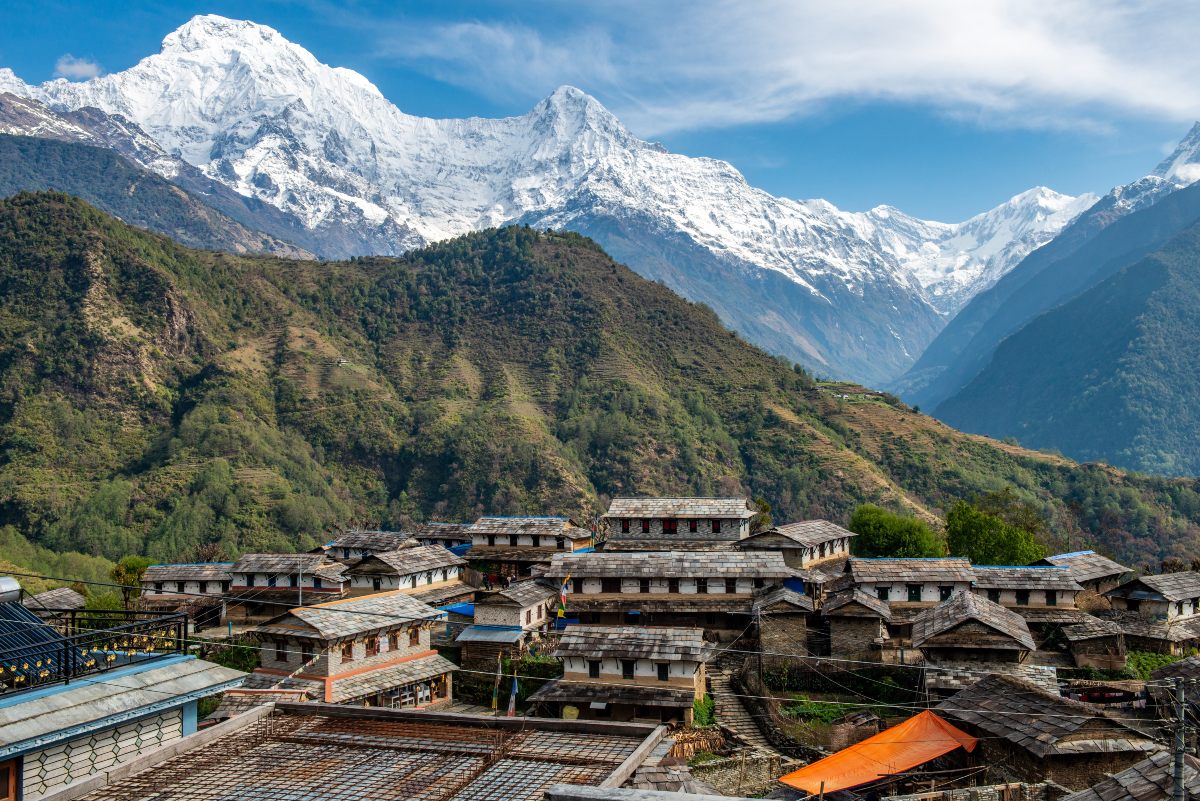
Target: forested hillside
[174,402]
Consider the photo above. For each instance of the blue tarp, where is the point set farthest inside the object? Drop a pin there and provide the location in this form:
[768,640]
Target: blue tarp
[496,634]
[460,550]
[467,609]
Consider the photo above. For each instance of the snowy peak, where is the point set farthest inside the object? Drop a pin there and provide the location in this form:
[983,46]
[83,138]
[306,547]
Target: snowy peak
[1183,165]
[213,32]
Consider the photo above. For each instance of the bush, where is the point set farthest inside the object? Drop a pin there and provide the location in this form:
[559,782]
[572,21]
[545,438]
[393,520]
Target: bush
[882,533]
[1143,663]
[704,711]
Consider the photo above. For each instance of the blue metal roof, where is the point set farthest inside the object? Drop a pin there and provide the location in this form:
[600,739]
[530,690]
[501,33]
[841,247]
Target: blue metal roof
[463,608]
[495,634]
[28,644]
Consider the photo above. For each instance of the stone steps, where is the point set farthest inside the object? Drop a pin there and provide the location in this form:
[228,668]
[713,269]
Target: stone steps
[732,715]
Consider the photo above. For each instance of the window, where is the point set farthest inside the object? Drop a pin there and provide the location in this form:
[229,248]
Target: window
[281,650]
[376,583]
[414,638]
[1178,606]
[624,525]
[693,525]
[716,526]
[345,553]
[944,593]
[249,579]
[994,596]
[541,612]
[664,671]
[882,592]
[271,581]
[644,585]
[393,642]
[8,781]
[1052,599]
[673,585]
[914,593]
[347,652]
[593,668]
[730,585]
[670,527]
[372,646]
[158,586]
[306,652]
[577,585]
[528,616]
[491,539]
[1132,604]
[560,543]
[702,585]
[294,580]
[317,582]
[645,525]
[627,667]
[1022,597]
[537,541]
[610,585]
[513,540]
[821,549]
[759,583]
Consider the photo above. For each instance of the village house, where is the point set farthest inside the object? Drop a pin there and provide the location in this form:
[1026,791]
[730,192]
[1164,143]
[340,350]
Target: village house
[1094,572]
[969,627]
[1044,595]
[909,586]
[80,696]
[1096,643]
[628,673]
[51,604]
[857,622]
[667,524]
[350,546]
[197,589]
[1158,613]
[816,550]
[262,584]
[368,651]
[429,573]
[1152,779]
[282,750]
[781,616]
[714,591]
[507,547]
[505,621]
[1031,734]
[455,537]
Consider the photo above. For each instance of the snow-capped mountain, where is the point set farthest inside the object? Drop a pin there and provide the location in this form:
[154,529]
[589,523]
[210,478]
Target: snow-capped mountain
[850,294]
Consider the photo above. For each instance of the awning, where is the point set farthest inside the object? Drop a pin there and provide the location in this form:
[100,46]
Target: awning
[914,742]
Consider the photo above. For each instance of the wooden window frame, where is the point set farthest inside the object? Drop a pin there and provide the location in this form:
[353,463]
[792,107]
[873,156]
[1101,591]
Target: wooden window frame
[593,668]
[8,790]
[664,671]
[414,637]
[716,525]
[628,669]
[693,525]
[347,652]
[624,525]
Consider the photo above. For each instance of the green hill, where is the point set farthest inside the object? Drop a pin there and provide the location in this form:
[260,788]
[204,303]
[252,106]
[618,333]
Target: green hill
[1111,375]
[172,402]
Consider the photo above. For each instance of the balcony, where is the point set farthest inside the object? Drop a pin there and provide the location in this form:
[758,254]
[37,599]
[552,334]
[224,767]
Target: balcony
[75,643]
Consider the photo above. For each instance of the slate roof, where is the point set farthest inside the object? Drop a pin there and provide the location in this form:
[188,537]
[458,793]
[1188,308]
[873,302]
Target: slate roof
[701,540]
[782,596]
[198,571]
[1091,629]
[1004,577]
[542,526]
[416,559]
[966,606]
[634,642]
[441,593]
[235,702]
[810,533]
[1149,780]
[60,598]
[360,684]
[507,553]
[314,564]
[443,531]
[843,599]
[370,540]
[1087,565]
[680,508]
[570,692]
[1061,615]
[520,593]
[338,619]
[670,564]
[1039,721]
[1171,586]
[1188,668]
[959,675]
[950,569]
[1134,625]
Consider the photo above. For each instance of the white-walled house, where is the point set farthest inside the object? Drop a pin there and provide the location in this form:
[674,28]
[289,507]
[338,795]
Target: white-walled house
[664,524]
[429,572]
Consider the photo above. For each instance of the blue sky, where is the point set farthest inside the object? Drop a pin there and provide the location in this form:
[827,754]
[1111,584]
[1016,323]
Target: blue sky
[938,107]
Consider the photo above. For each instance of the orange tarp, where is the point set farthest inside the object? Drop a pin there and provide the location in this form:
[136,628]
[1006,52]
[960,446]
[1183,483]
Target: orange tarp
[914,742]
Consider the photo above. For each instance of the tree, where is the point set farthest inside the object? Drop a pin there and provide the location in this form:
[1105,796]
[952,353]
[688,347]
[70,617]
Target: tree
[128,573]
[882,533]
[987,540]
[762,518]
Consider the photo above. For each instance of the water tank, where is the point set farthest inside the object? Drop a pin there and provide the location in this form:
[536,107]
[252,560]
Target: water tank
[10,590]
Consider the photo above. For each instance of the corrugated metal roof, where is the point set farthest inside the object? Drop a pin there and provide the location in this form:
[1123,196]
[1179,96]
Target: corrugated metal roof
[25,639]
[736,508]
[505,635]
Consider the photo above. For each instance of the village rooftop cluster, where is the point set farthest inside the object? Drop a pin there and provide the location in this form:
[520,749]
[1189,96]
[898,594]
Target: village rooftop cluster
[665,630]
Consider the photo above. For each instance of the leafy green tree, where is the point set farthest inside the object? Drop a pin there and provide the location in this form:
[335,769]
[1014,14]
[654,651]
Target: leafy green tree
[762,518]
[883,533]
[987,540]
[128,573]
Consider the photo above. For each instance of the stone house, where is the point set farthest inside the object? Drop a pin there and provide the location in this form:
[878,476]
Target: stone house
[667,524]
[508,547]
[198,589]
[627,673]
[781,615]
[969,627]
[909,586]
[857,621]
[1152,779]
[804,544]
[506,621]
[369,651]
[448,535]
[350,546]
[1044,595]
[262,584]
[1095,573]
[714,591]
[1033,734]
[1164,597]
[429,573]
[1096,643]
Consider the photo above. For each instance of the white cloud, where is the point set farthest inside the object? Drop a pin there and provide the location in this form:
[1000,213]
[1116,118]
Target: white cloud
[712,63]
[75,69]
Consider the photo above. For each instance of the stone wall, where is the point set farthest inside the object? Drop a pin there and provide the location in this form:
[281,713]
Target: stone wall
[1017,791]
[745,774]
[853,638]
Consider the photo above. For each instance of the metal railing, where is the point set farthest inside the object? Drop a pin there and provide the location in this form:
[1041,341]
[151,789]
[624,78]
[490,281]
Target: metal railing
[79,643]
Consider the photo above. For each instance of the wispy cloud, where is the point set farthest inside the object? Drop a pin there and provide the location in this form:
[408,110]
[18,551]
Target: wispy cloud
[75,69]
[712,63]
